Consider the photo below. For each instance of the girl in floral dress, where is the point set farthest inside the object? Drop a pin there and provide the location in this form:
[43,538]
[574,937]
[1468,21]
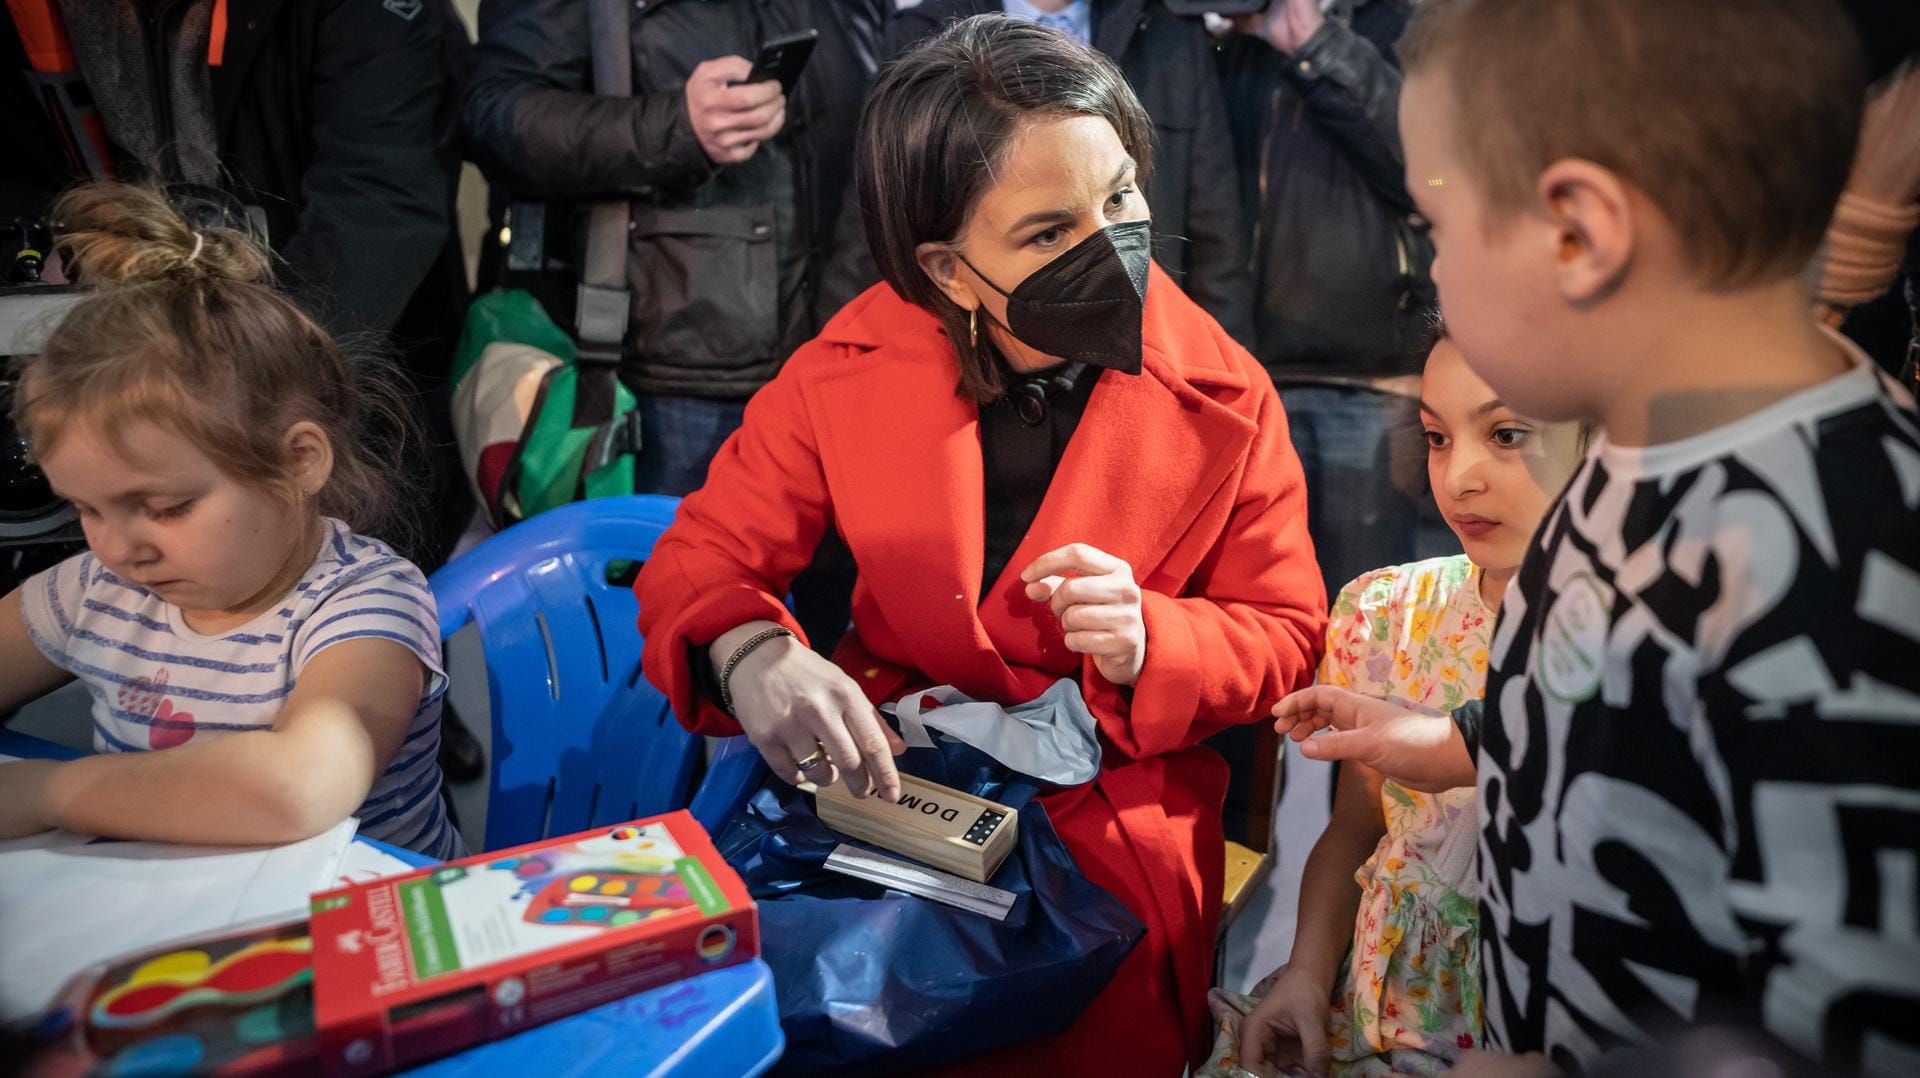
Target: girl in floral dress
[1385,977]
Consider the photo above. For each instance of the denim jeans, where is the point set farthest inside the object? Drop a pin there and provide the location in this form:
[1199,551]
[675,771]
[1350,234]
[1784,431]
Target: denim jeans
[678,438]
[1367,493]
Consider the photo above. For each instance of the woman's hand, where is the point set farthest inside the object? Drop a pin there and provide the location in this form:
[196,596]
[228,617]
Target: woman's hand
[1419,751]
[1098,604]
[791,702]
[1289,1027]
[26,805]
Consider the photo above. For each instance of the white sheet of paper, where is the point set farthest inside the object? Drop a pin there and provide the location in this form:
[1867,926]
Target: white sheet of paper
[364,864]
[67,902]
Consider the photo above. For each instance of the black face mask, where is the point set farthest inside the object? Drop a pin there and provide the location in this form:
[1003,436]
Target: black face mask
[1086,305]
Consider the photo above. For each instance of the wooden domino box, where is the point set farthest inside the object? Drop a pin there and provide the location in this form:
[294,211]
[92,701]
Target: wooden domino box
[952,831]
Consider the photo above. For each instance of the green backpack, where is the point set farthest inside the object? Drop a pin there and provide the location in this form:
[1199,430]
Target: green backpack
[582,434]
[579,439]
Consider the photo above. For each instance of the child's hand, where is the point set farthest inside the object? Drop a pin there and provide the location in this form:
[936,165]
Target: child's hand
[1419,751]
[1288,1028]
[25,806]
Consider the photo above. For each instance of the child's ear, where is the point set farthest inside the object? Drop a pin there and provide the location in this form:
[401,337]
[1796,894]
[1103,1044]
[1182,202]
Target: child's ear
[1592,218]
[942,267]
[311,453]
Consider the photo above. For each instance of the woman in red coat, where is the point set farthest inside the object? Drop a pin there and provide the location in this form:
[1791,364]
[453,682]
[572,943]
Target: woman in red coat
[1047,462]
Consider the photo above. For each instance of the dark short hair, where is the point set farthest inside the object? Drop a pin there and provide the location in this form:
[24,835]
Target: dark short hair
[1738,118]
[935,127]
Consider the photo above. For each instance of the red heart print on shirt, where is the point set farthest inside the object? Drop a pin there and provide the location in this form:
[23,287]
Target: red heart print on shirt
[142,696]
[169,727]
[147,698]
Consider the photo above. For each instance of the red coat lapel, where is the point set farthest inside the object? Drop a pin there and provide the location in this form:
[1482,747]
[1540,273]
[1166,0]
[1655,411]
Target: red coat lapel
[1149,455]
[1146,463]
[902,453]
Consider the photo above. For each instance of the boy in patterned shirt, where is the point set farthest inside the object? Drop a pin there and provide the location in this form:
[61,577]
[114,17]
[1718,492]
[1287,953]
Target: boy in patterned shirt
[1698,785]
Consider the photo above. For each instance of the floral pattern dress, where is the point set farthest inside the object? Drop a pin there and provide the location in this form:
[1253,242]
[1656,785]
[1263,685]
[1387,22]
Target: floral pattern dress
[1408,999]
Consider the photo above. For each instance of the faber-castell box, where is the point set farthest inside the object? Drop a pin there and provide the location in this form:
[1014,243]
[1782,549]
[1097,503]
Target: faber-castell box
[962,834]
[411,967]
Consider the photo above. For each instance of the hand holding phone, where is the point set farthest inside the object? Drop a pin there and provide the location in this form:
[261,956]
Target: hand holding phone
[730,116]
[781,59]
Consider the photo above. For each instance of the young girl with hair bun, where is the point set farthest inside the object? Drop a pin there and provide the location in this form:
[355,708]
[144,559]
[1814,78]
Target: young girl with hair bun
[260,666]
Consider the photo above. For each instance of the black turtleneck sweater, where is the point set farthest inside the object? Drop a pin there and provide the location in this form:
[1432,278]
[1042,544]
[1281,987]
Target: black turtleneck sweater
[1021,443]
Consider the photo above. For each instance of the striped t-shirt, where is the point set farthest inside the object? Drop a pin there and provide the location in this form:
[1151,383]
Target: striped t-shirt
[156,683]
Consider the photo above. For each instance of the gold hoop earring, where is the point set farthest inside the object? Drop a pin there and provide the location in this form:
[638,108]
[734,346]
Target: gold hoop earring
[973,328]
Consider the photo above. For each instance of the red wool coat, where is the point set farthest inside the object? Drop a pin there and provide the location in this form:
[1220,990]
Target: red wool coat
[1185,471]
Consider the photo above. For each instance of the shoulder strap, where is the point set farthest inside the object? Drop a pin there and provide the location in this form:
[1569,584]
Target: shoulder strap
[604,302]
[601,312]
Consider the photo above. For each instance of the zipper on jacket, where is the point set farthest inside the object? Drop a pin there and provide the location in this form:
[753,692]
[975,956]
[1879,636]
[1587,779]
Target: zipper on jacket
[166,153]
[1256,258]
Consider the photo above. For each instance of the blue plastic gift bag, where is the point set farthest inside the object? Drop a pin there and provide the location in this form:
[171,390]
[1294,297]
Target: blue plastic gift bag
[872,981]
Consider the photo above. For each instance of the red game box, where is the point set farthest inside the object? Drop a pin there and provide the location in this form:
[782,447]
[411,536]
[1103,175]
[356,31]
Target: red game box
[411,967]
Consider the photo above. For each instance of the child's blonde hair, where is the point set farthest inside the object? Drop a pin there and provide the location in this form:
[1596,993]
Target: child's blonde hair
[188,332]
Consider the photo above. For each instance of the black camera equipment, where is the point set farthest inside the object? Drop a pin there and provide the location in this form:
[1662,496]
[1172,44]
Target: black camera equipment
[37,528]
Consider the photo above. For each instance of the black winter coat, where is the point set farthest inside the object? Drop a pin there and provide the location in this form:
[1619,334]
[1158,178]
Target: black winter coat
[725,260]
[337,118]
[1341,271]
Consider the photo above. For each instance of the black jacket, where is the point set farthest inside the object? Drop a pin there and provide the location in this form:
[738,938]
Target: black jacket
[725,261]
[1199,237]
[337,118]
[1341,272]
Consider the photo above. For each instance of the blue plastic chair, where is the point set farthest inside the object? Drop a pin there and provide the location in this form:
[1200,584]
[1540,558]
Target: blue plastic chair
[580,739]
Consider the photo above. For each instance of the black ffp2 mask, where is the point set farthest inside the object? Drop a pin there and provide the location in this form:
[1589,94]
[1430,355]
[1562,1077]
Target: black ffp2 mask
[1086,306]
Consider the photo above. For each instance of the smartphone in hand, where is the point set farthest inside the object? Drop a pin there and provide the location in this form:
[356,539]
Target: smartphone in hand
[783,58]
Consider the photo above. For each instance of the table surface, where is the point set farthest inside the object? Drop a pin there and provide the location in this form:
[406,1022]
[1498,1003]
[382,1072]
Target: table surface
[33,748]
[717,1024]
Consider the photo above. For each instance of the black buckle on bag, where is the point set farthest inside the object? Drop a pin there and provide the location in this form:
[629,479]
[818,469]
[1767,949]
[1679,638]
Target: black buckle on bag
[618,438]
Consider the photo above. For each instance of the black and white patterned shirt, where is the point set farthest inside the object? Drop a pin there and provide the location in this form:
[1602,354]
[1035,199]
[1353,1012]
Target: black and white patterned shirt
[1700,781]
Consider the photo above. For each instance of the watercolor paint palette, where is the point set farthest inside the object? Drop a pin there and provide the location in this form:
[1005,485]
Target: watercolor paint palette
[235,1005]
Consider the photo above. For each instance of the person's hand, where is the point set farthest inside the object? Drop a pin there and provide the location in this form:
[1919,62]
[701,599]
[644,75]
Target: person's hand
[26,807]
[1098,604]
[791,702]
[1886,168]
[1289,23]
[1479,1064]
[732,121]
[1419,751]
[1868,235]
[1289,1027]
